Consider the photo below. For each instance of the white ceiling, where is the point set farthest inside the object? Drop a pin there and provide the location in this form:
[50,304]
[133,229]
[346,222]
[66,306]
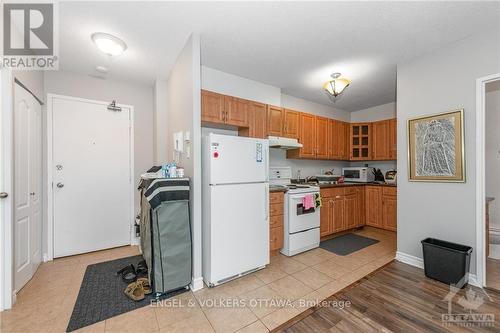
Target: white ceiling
[293,45]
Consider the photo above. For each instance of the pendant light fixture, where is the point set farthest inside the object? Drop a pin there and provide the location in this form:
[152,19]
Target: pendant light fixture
[336,86]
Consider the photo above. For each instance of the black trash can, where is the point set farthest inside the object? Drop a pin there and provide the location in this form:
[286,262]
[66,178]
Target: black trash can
[446,262]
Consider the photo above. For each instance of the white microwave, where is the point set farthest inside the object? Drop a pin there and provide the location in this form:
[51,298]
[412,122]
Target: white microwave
[358,174]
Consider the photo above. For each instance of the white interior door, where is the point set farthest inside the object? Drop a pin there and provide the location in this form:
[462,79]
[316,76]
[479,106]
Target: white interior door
[91,168]
[27,185]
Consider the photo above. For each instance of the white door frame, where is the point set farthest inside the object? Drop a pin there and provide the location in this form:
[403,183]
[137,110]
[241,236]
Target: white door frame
[50,193]
[481,176]
[6,219]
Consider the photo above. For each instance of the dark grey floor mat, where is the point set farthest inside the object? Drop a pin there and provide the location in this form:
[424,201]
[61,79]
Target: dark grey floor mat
[347,244]
[101,294]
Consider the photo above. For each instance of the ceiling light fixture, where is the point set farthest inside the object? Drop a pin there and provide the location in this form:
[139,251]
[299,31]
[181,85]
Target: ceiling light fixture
[109,44]
[336,86]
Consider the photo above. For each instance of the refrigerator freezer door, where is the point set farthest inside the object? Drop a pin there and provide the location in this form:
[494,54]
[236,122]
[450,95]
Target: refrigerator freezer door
[234,159]
[239,231]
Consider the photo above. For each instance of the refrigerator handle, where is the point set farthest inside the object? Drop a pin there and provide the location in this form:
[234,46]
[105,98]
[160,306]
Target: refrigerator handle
[266,203]
[266,154]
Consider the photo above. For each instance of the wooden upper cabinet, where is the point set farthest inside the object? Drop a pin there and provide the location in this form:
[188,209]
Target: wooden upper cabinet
[332,139]
[380,136]
[236,111]
[257,121]
[393,139]
[321,146]
[307,135]
[291,124]
[360,141]
[212,107]
[275,120]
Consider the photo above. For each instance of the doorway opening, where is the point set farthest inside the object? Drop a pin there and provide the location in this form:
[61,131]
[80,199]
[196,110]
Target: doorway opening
[492,188]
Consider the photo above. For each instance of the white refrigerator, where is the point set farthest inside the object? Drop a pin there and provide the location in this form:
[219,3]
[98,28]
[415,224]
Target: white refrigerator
[235,206]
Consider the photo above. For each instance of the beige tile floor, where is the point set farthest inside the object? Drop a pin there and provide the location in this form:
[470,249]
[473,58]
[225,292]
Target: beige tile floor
[258,302]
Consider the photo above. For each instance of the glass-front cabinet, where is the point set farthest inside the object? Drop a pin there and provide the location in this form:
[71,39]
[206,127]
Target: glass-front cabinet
[360,141]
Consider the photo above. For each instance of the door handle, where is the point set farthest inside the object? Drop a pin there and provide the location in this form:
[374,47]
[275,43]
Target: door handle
[3,195]
[60,185]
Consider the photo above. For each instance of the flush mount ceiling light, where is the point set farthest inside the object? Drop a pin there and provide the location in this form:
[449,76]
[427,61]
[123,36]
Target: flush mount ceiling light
[336,86]
[109,44]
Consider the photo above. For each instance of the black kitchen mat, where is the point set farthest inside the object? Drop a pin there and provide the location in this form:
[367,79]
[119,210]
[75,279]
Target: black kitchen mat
[101,294]
[347,244]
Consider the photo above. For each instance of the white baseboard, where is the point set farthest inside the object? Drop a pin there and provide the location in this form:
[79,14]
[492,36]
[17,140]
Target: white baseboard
[419,263]
[410,260]
[196,284]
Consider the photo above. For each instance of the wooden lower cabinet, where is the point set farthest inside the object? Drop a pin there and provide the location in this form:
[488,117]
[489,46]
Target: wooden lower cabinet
[341,209]
[373,202]
[389,208]
[276,226]
[351,207]
[381,207]
[275,239]
[338,214]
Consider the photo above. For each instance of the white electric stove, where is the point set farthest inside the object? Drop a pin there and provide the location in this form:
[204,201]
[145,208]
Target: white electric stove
[301,232]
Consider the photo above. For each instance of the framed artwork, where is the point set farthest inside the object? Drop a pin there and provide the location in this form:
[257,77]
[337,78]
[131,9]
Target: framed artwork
[436,148]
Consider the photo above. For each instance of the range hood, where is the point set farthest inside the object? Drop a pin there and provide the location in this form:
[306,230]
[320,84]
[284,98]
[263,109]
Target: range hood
[283,143]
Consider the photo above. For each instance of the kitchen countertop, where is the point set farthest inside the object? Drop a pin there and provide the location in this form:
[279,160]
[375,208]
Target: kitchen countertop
[277,189]
[355,184]
[284,189]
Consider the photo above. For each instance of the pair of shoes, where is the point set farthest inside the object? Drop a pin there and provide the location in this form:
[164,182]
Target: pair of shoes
[137,290]
[130,273]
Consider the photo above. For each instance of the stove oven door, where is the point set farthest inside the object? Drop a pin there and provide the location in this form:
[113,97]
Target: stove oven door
[300,219]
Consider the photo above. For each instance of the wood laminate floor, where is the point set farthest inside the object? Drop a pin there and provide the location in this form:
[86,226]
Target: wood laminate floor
[493,273]
[399,298]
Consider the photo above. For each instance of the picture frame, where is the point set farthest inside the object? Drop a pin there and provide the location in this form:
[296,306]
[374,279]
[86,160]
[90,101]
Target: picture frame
[436,149]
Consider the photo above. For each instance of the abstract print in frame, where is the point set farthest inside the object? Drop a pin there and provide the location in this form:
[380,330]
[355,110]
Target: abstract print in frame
[436,148]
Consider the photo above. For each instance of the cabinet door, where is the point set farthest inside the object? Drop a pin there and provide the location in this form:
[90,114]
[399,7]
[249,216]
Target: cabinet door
[373,203]
[326,217]
[291,124]
[236,111]
[275,118]
[380,137]
[332,139]
[344,141]
[212,107]
[389,212]
[275,238]
[360,141]
[338,222]
[321,146]
[351,209]
[258,121]
[361,206]
[307,135]
[393,139]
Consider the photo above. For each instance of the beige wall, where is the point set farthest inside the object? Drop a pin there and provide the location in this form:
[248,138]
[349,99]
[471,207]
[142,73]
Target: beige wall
[437,82]
[183,97]
[138,95]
